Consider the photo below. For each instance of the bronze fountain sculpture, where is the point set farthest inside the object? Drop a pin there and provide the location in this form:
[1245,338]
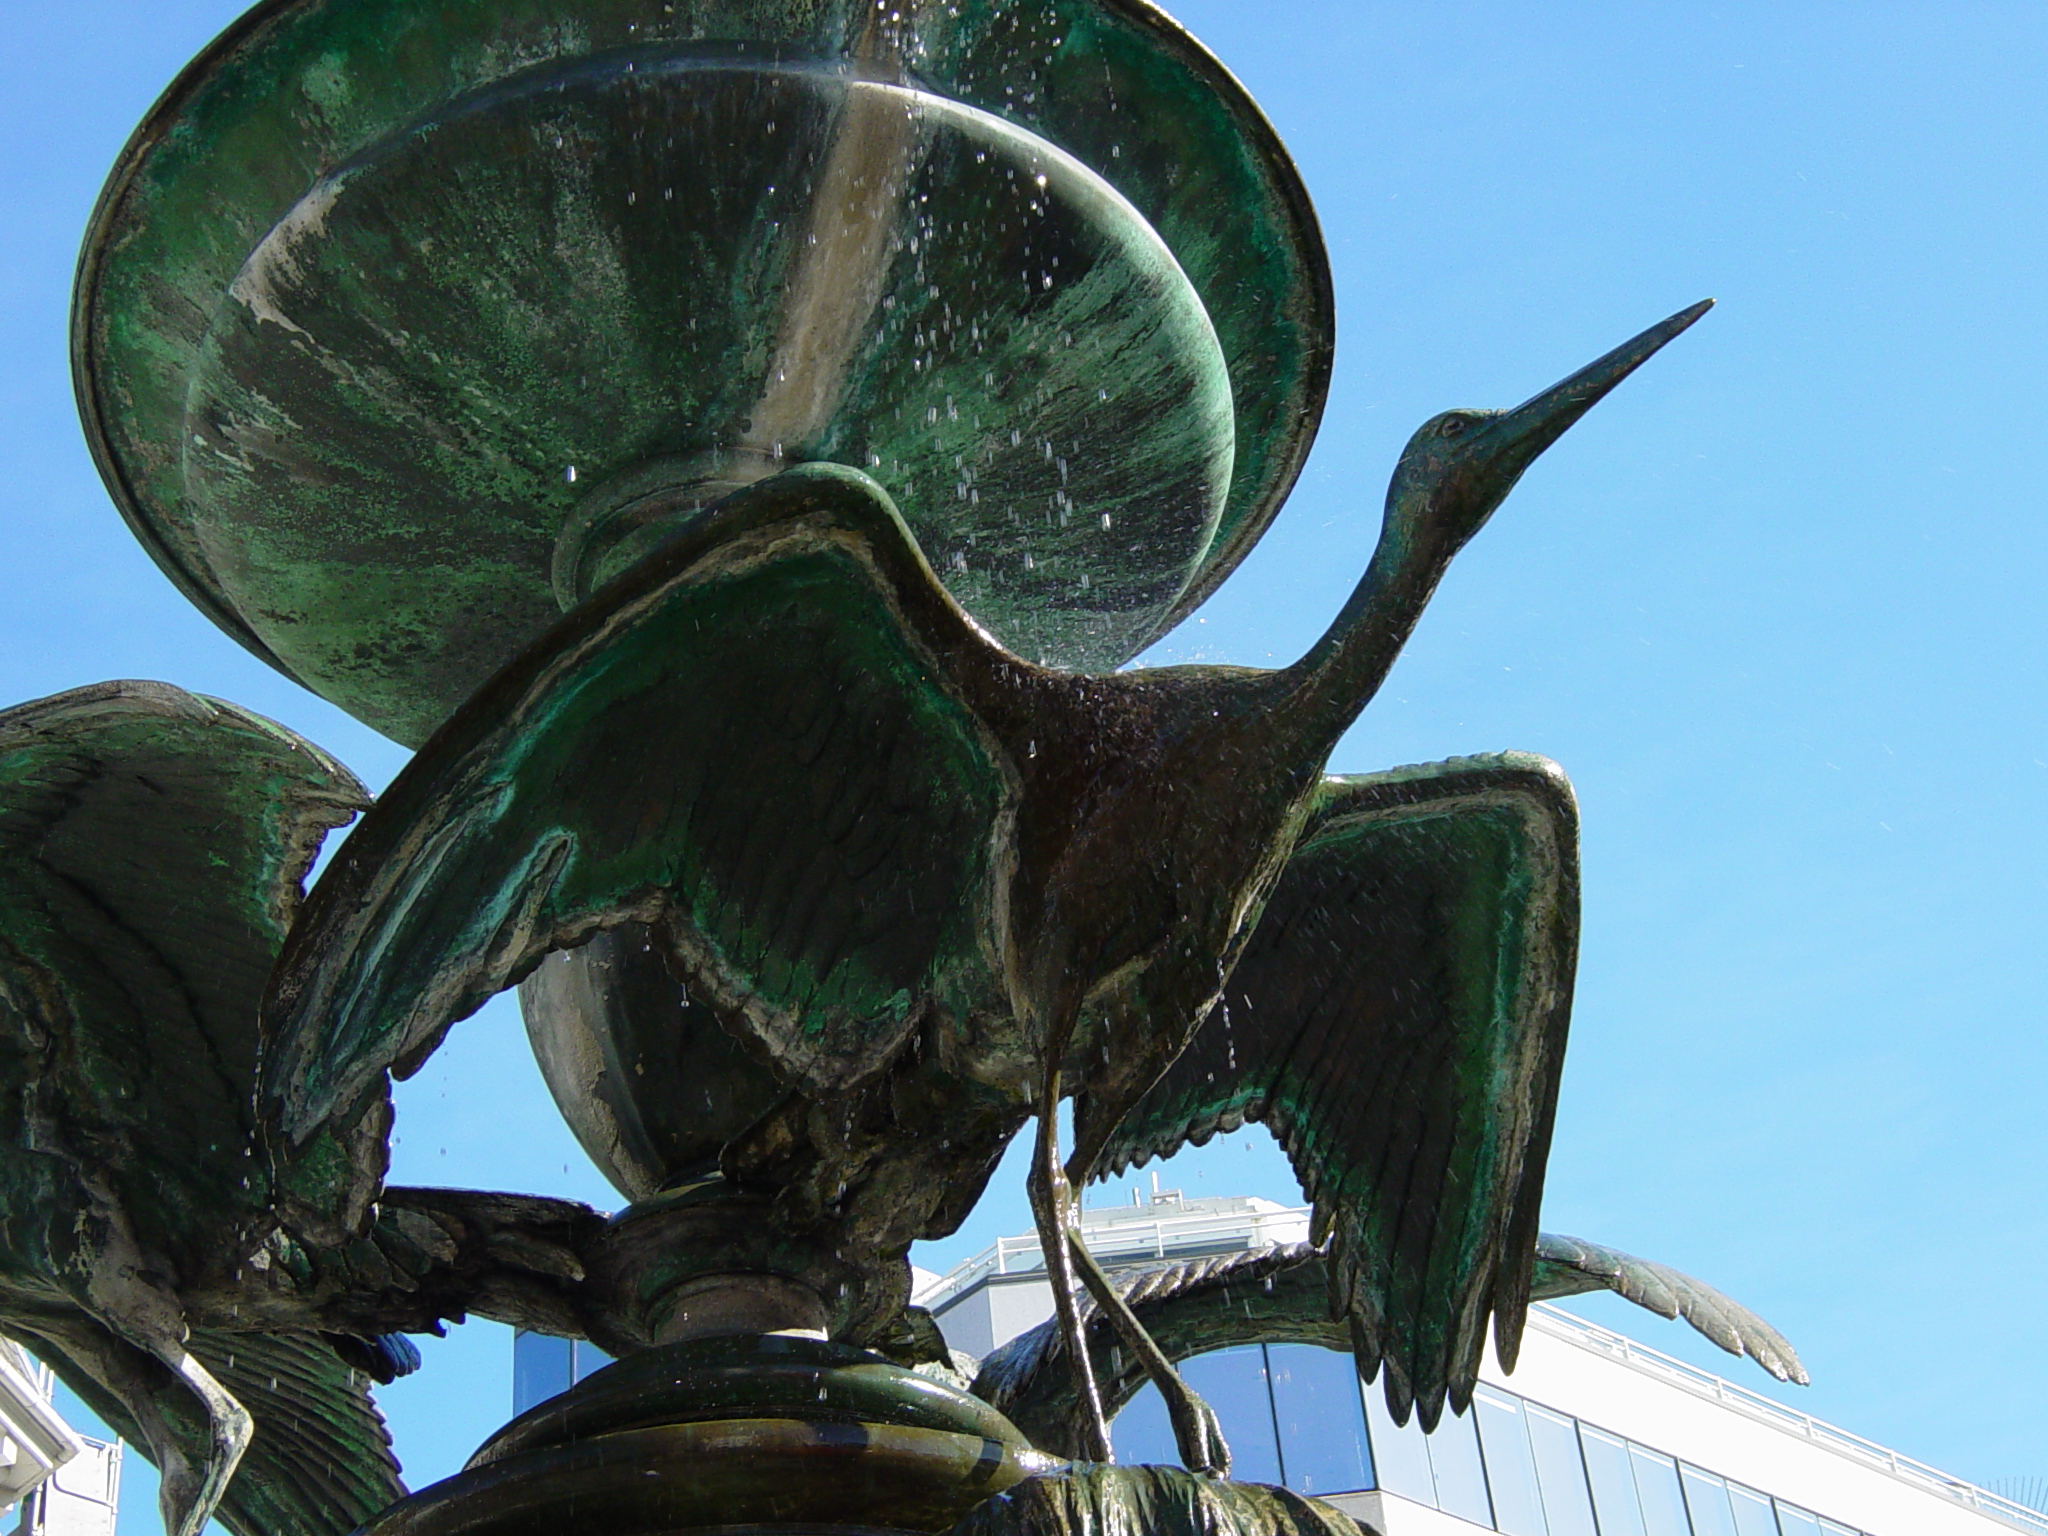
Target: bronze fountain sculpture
[738,443]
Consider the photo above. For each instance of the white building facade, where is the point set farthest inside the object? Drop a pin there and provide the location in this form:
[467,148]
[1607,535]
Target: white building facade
[53,1480]
[1594,1435]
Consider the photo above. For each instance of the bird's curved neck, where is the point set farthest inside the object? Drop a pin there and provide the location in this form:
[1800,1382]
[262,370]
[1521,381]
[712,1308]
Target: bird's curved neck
[1330,685]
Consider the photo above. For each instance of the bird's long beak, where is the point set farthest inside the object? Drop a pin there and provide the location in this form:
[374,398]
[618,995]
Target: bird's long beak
[1516,437]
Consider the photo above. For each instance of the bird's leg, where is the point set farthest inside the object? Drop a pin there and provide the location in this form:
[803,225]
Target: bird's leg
[186,1510]
[147,1315]
[1196,1430]
[1052,1204]
[128,1372]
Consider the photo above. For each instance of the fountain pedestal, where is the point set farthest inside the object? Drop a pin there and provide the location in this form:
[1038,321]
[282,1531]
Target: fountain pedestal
[760,1434]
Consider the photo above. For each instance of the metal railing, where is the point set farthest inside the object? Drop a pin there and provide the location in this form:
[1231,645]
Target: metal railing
[1123,1241]
[1604,1341]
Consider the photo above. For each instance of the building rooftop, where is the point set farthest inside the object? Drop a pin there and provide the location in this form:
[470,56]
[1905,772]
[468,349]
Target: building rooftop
[1165,1226]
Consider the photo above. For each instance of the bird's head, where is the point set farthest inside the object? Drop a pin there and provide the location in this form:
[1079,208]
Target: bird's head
[1461,465]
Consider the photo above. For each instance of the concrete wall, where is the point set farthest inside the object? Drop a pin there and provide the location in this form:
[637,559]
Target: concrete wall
[995,1312]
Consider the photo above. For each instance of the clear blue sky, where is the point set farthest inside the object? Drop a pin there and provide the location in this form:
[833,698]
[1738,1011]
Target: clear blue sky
[1775,606]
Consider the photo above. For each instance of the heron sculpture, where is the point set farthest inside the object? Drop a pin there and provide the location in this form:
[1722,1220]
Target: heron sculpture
[856,822]
[212,1303]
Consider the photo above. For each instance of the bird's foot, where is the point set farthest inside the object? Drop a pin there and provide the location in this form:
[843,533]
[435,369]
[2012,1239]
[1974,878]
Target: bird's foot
[1196,1430]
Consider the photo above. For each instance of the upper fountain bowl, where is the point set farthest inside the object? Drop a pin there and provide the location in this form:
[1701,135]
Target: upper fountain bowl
[401,325]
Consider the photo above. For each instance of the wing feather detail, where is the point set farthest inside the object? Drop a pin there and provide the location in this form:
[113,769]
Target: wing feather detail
[1571,1266]
[1161,1501]
[152,848]
[740,744]
[1279,1295]
[1398,1020]
[320,1463]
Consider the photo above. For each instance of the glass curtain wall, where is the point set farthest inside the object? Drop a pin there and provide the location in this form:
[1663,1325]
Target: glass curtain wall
[1294,1415]
[543,1365]
[1291,1412]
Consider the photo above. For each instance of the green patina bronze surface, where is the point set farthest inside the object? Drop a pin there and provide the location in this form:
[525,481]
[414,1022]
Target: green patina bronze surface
[756,1433]
[392,313]
[188,1285]
[1160,1501]
[737,440]
[767,1377]
[1398,1021]
[893,857]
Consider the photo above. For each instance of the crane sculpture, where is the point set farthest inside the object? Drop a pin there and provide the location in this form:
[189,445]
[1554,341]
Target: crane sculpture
[215,1304]
[850,815]
[738,447]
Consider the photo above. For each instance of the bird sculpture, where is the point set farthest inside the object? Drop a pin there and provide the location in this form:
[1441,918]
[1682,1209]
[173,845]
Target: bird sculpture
[1277,1295]
[1397,1019]
[217,1305]
[860,827]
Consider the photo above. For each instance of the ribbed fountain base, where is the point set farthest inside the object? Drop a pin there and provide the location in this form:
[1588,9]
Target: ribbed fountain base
[769,1435]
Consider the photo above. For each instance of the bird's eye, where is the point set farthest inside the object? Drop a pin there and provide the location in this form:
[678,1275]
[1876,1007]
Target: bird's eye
[1451,426]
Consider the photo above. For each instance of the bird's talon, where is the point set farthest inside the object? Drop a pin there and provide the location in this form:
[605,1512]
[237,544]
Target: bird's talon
[1199,1435]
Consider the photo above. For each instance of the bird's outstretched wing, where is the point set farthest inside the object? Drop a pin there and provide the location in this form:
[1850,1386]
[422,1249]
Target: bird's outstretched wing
[1161,1501]
[1280,1295]
[152,844]
[320,1463]
[436,1255]
[1570,1266]
[742,741]
[1398,1020]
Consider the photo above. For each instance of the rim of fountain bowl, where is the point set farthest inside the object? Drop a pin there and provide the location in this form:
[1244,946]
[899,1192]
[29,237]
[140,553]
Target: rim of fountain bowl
[747,1376]
[1279,415]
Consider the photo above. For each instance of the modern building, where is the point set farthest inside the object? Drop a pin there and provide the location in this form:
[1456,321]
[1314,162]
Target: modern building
[544,1365]
[1594,1434]
[53,1480]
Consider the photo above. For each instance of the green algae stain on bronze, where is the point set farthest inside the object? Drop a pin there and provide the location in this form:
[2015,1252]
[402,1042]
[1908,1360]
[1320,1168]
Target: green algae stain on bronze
[861,697]
[427,366]
[381,293]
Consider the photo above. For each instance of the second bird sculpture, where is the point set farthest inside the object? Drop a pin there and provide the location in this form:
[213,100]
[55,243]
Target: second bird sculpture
[1052,874]
[216,1305]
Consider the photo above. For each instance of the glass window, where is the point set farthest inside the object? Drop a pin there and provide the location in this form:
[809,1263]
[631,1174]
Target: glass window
[1794,1521]
[1510,1464]
[1613,1482]
[1567,1504]
[540,1369]
[1460,1474]
[1143,1436]
[1753,1515]
[587,1358]
[1706,1500]
[1400,1455]
[1233,1381]
[1322,1421]
[1657,1487]
[1835,1528]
